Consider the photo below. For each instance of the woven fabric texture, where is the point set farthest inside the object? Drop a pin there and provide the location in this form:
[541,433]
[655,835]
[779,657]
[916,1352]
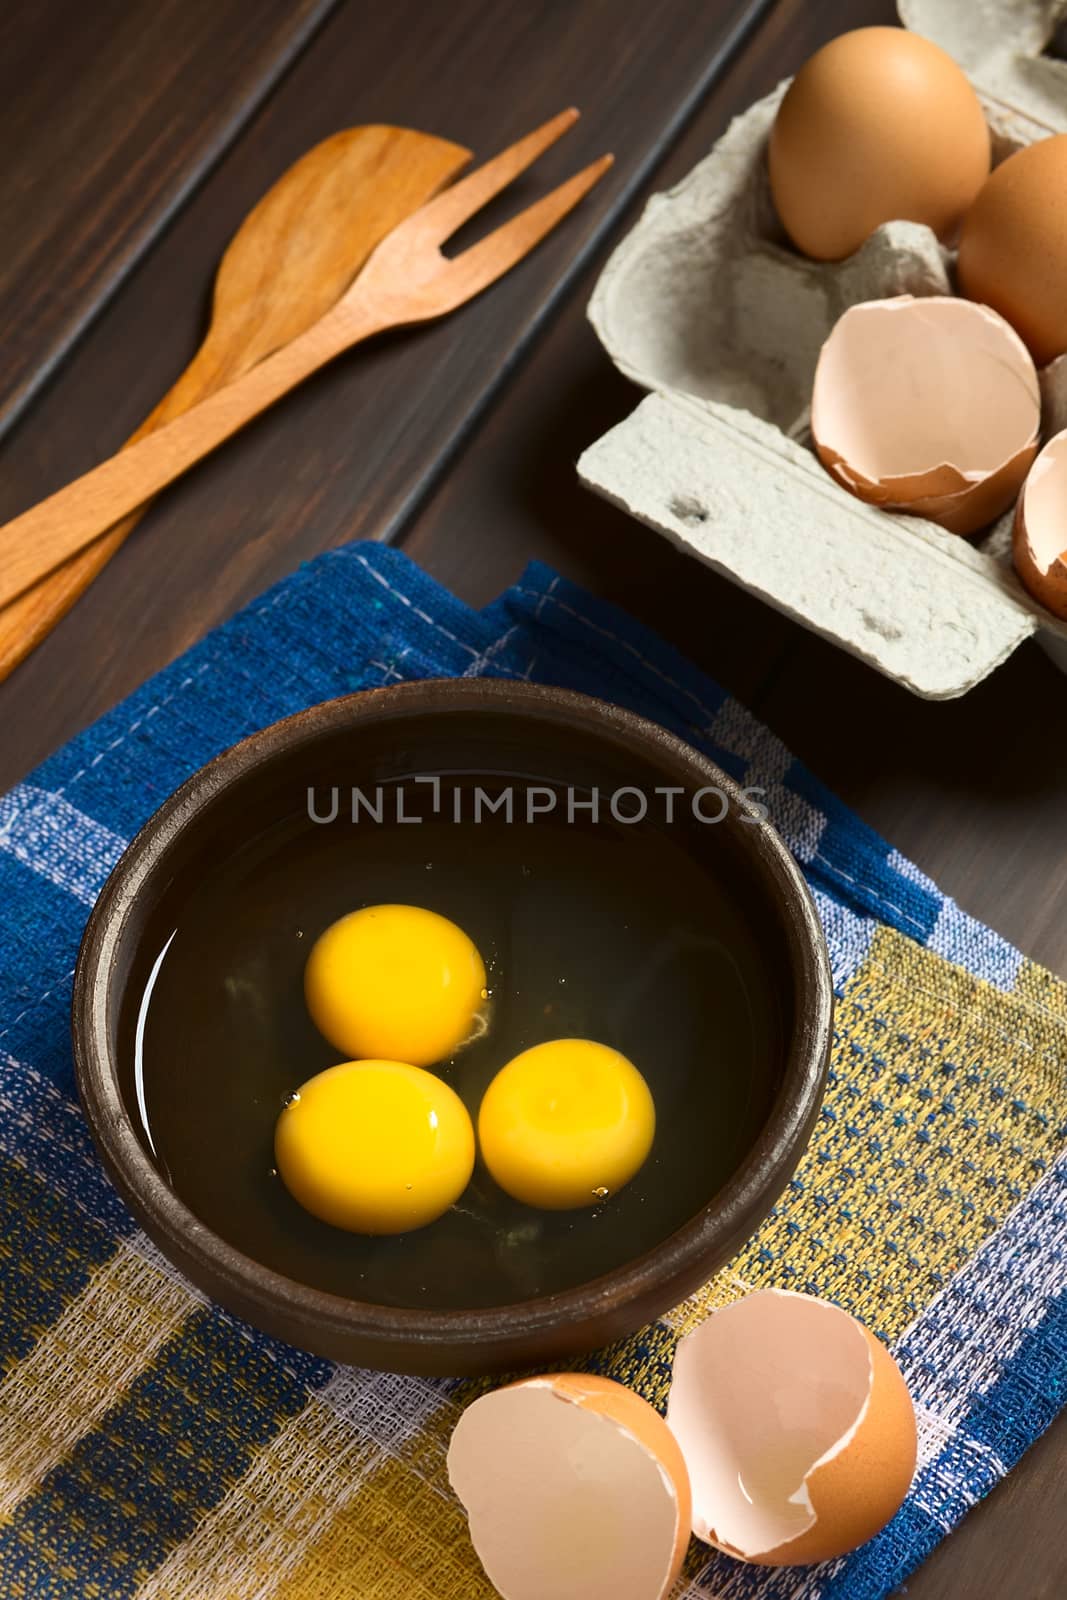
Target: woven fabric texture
[152,1445]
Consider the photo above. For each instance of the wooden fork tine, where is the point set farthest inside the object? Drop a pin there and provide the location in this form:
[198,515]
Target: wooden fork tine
[442,215]
[498,252]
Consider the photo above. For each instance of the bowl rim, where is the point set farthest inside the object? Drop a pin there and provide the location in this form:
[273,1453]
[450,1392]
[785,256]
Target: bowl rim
[657,1278]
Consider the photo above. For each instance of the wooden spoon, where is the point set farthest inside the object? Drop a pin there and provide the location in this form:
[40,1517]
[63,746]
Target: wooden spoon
[292,258]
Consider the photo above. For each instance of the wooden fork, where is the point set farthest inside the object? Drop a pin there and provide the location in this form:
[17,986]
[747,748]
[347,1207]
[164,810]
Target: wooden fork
[294,255]
[405,280]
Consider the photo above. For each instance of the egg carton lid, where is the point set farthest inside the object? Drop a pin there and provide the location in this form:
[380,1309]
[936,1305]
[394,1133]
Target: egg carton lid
[715,457]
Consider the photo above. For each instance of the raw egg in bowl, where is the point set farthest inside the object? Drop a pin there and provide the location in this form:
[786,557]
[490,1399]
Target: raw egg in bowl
[605,959]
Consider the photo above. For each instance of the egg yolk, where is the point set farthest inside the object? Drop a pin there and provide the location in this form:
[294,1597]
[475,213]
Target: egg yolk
[396,983]
[375,1146]
[566,1124]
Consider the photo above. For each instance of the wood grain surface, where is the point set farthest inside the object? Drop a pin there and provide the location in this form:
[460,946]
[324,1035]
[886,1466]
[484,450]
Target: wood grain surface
[110,116]
[401,440]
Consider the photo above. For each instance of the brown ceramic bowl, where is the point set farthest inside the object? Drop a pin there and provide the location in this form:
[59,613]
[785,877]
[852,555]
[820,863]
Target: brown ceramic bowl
[448,727]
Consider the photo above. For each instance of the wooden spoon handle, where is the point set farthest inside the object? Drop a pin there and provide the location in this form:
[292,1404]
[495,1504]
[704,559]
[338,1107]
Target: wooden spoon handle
[30,619]
[37,542]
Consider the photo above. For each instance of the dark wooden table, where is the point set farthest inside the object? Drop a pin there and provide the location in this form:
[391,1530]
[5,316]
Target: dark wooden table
[134,141]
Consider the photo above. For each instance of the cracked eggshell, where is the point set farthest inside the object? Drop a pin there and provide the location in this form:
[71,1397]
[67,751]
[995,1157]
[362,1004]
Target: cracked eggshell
[927,406]
[573,1486]
[796,1427]
[1039,538]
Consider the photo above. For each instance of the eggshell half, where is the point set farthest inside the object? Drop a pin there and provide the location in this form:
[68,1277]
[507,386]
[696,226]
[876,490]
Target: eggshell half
[573,1486]
[796,1427]
[928,406]
[1039,541]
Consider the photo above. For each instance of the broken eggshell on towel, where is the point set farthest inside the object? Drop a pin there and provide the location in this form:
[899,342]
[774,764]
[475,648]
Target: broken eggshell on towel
[796,1427]
[573,1486]
[927,406]
[790,1438]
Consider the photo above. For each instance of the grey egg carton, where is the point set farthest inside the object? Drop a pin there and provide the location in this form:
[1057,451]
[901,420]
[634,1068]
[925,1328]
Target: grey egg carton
[706,305]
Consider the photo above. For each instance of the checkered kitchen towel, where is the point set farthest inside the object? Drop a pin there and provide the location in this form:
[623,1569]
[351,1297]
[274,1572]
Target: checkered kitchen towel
[153,1445]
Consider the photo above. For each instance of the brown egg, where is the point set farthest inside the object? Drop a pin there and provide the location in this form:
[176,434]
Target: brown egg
[880,125]
[1013,248]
